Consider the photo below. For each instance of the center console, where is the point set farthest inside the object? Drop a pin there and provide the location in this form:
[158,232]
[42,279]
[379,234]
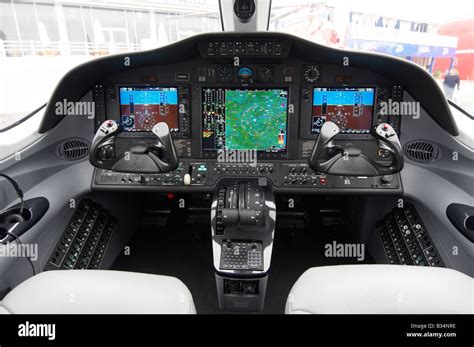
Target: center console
[243,216]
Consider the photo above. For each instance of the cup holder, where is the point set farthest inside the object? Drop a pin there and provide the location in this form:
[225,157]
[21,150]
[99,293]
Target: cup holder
[17,221]
[13,219]
[15,215]
[3,233]
[469,223]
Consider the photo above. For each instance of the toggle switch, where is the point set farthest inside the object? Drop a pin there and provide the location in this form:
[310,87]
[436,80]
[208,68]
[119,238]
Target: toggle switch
[187,179]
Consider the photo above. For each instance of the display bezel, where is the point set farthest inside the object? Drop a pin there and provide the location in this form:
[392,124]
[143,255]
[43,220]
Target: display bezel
[141,131]
[348,88]
[212,153]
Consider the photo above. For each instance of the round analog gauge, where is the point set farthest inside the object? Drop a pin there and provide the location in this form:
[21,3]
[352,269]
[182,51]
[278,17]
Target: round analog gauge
[265,74]
[225,74]
[312,73]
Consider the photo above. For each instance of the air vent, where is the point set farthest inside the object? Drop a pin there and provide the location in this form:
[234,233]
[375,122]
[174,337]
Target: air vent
[422,151]
[73,149]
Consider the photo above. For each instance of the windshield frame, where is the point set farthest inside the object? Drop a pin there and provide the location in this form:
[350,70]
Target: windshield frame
[460,109]
[24,118]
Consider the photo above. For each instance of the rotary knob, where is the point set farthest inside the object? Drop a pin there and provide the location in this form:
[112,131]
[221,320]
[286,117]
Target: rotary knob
[386,179]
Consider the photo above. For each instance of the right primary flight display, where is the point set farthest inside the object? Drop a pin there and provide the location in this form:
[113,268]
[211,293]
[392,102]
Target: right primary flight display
[350,108]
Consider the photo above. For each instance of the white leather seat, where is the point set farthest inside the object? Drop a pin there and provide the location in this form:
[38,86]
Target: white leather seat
[97,291]
[381,289]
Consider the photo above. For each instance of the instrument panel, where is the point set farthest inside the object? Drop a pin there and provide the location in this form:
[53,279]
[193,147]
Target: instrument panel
[256,97]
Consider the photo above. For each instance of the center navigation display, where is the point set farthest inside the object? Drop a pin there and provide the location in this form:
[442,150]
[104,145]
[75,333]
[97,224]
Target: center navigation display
[142,107]
[350,108]
[244,119]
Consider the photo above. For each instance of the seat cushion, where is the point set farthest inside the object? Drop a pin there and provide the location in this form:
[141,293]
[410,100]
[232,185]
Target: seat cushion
[381,289]
[3,310]
[97,291]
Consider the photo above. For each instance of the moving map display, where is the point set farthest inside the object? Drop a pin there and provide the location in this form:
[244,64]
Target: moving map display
[350,108]
[142,107]
[244,119]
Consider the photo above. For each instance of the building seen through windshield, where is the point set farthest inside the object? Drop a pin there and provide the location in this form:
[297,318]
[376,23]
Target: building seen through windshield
[35,32]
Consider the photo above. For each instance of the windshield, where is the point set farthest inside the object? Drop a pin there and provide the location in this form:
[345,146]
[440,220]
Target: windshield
[40,40]
[437,36]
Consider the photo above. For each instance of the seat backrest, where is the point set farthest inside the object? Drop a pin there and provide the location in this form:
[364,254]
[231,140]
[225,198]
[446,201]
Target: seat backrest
[381,289]
[98,291]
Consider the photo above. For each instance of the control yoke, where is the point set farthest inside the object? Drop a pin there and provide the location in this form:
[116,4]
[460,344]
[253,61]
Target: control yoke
[163,152]
[349,160]
[143,157]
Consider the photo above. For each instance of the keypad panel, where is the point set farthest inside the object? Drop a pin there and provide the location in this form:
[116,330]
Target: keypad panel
[241,255]
[406,240]
[85,240]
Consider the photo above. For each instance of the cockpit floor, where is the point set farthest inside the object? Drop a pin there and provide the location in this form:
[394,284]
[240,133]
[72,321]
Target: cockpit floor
[182,249]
